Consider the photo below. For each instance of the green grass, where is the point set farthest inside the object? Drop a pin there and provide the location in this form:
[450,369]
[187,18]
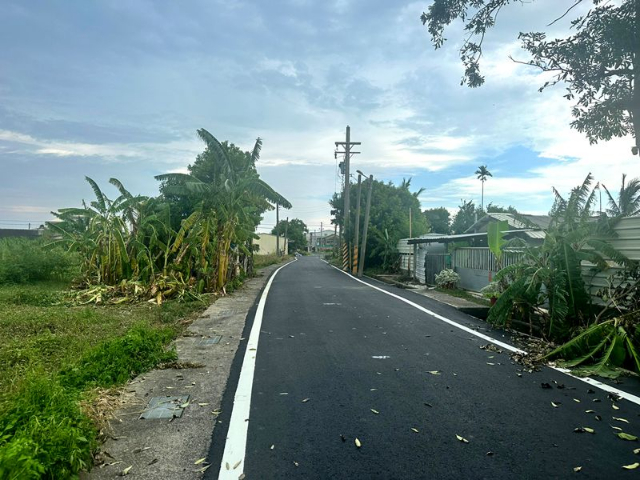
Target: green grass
[262,261]
[455,292]
[52,355]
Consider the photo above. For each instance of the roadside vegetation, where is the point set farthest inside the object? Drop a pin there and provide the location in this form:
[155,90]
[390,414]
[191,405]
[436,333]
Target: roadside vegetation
[547,291]
[99,299]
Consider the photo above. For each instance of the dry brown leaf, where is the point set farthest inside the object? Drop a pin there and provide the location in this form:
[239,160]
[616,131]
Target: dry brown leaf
[199,460]
[434,372]
[633,466]
[415,430]
[306,400]
[237,464]
[462,439]
[358,443]
[555,405]
[615,407]
[375,411]
[621,419]
[637,451]
[576,400]
[577,469]
[272,447]
[127,470]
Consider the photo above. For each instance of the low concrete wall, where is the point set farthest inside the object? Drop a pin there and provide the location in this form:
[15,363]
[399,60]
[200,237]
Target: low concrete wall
[471,279]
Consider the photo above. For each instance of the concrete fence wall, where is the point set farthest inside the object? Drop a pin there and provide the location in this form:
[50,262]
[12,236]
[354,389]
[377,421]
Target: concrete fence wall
[476,265]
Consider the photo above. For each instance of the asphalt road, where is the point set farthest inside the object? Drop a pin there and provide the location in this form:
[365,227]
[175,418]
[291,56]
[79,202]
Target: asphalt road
[338,360]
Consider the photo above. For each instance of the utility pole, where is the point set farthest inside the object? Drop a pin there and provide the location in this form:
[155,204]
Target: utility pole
[321,242]
[277,231]
[410,222]
[363,248]
[286,231]
[347,157]
[355,246]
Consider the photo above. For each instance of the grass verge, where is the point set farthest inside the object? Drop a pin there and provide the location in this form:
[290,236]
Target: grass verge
[52,360]
[262,261]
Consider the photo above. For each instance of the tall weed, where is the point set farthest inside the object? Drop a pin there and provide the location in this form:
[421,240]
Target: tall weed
[23,260]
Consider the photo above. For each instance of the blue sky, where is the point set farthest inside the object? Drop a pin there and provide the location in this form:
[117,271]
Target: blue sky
[118,88]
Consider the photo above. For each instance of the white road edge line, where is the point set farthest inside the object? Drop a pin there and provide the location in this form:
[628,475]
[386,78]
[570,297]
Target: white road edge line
[595,383]
[236,444]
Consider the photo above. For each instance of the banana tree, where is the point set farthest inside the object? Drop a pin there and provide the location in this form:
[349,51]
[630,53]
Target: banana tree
[232,188]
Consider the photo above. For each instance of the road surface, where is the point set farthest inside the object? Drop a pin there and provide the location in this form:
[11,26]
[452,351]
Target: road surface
[337,360]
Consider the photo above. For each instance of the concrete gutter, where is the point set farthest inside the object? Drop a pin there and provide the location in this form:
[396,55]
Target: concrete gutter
[171,448]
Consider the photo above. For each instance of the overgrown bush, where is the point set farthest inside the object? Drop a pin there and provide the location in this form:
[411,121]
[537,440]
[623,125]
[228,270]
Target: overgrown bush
[43,433]
[447,278]
[24,260]
[118,360]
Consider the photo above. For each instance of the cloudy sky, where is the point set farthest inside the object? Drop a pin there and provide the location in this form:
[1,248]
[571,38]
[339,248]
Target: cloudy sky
[116,88]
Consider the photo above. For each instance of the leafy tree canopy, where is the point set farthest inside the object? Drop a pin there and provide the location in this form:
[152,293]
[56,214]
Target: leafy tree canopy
[599,62]
[439,220]
[294,230]
[390,206]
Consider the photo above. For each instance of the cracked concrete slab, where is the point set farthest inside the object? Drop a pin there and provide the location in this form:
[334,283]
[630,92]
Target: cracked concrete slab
[174,448]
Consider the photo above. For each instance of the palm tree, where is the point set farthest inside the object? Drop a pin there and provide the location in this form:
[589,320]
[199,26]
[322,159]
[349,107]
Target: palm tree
[628,199]
[482,174]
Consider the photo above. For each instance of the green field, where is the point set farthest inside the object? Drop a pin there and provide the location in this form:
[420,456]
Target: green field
[52,358]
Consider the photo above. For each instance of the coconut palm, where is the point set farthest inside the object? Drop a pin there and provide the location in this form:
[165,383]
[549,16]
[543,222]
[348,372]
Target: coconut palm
[482,174]
[628,202]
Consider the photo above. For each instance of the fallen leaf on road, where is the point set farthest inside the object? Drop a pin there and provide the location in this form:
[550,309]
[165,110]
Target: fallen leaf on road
[203,404]
[637,451]
[589,411]
[462,439]
[375,411]
[489,363]
[415,430]
[616,428]
[576,400]
[626,436]
[555,405]
[373,389]
[589,430]
[199,460]
[227,466]
[296,463]
[489,454]
[598,417]
[203,469]
[152,462]
[284,393]
[237,464]
[577,469]
[272,447]
[358,444]
[126,470]
[434,372]
[615,407]
[427,404]
[621,419]
[306,400]
[184,405]
[633,466]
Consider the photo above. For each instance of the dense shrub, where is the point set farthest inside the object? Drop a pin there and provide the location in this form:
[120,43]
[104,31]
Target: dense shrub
[23,260]
[118,360]
[447,278]
[43,433]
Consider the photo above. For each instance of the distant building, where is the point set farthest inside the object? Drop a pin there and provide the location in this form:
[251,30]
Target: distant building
[321,240]
[20,232]
[267,244]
